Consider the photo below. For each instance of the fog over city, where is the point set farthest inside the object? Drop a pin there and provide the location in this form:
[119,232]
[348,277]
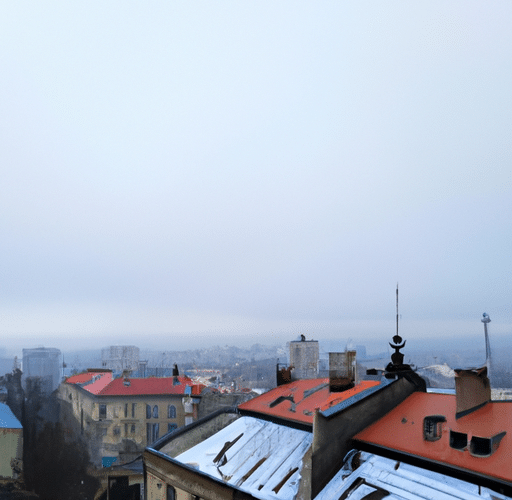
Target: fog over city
[179,174]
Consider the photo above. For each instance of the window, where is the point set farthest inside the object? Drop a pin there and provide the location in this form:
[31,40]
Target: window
[132,430]
[148,411]
[171,493]
[126,410]
[117,431]
[171,427]
[171,411]
[155,411]
[152,433]
[134,405]
[103,411]
[126,429]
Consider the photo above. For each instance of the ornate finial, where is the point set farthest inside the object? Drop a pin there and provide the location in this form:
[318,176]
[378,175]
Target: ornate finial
[397,358]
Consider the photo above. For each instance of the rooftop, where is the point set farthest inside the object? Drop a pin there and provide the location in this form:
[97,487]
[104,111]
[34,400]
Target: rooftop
[7,418]
[297,401]
[259,457]
[151,386]
[379,477]
[478,442]
[101,384]
[92,381]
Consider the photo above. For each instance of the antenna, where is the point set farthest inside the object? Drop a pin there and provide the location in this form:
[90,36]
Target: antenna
[397,308]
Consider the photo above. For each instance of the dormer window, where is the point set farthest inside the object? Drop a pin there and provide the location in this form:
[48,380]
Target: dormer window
[433,427]
[458,440]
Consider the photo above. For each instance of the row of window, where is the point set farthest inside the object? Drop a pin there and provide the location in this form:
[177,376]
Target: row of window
[153,412]
[150,412]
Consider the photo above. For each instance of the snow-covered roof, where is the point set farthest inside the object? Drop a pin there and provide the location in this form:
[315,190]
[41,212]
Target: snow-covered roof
[259,457]
[398,481]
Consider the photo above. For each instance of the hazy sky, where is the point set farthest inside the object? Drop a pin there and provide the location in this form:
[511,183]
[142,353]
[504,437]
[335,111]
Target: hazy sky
[248,171]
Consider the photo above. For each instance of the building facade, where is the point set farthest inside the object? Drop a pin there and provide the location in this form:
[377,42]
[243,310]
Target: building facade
[11,444]
[304,357]
[118,417]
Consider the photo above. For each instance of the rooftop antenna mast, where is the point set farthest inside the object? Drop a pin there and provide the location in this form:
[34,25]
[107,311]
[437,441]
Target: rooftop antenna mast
[397,309]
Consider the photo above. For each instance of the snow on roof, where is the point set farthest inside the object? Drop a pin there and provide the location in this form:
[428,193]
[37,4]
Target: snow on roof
[261,458]
[7,418]
[298,400]
[385,478]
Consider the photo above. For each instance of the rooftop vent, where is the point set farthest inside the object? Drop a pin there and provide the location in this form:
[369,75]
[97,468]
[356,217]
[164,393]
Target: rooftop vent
[485,447]
[458,440]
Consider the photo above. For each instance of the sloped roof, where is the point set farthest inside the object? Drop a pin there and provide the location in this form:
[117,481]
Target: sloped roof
[7,418]
[80,378]
[259,457]
[386,478]
[297,401]
[151,386]
[402,430]
[92,381]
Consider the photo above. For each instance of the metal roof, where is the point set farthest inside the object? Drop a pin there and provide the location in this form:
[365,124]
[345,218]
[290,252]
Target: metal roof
[259,457]
[402,430]
[380,477]
[7,418]
[297,401]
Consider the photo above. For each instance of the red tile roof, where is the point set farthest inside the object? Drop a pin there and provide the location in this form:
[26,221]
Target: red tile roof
[308,395]
[81,378]
[402,430]
[91,381]
[150,386]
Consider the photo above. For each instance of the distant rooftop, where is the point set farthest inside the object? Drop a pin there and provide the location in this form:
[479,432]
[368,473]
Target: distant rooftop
[7,418]
[101,384]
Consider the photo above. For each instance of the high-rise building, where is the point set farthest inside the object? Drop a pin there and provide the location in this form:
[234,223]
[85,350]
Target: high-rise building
[120,357]
[44,365]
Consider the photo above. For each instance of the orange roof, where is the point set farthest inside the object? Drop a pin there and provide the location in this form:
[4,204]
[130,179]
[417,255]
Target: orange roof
[298,400]
[91,381]
[151,386]
[81,378]
[402,430]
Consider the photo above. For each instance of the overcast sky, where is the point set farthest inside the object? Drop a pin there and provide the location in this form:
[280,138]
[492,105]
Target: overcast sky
[246,171]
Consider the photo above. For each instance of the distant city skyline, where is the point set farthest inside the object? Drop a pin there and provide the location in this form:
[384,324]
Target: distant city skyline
[237,173]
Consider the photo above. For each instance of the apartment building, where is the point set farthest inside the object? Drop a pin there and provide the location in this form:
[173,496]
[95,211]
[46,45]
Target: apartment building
[119,417]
